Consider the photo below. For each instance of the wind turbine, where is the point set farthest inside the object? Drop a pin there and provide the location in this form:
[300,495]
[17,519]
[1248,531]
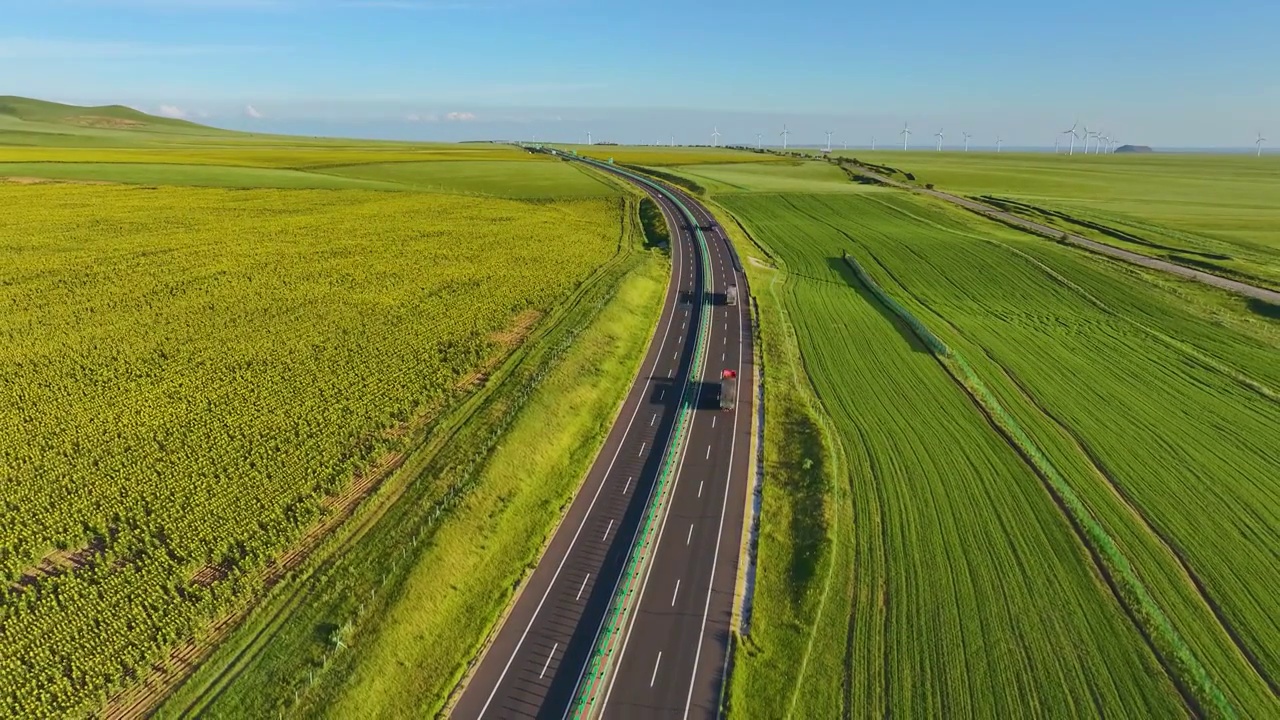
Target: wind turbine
[673,141]
[759,143]
[715,136]
[784,135]
[939,136]
[966,140]
[828,141]
[588,137]
[846,144]
[906,135]
[1074,135]
[1000,142]
[873,143]
[1099,136]
[1087,134]
[1259,142]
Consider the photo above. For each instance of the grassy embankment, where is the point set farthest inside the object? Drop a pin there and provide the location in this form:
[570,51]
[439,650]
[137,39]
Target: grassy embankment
[1214,212]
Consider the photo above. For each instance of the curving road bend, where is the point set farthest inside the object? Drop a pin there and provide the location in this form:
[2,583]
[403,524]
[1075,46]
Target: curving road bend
[672,656]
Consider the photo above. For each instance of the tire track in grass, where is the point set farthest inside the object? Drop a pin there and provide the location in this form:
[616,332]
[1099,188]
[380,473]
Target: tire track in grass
[954,638]
[1168,545]
[1199,690]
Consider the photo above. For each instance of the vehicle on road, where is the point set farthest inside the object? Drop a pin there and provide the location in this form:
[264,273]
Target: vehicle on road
[728,389]
[731,295]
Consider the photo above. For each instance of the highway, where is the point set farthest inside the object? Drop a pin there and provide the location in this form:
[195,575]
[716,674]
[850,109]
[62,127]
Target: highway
[671,656]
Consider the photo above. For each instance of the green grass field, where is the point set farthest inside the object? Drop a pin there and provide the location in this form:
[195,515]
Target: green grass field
[1214,211]
[1153,397]
[956,542]
[658,156]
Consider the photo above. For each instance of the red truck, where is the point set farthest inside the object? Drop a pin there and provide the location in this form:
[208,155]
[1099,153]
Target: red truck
[728,389]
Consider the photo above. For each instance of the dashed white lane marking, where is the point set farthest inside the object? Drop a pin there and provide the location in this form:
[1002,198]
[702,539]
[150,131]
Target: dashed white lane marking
[708,452]
[661,392]
[643,445]
[690,538]
[700,488]
[655,418]
[655,669]
[606,531]
[713,421]
[625,489]
[669,372]
[674,594]
[676,355]
[548,662]
[584,580]
[721,357]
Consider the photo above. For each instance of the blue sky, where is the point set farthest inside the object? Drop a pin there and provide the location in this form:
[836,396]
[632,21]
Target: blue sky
[1150,72]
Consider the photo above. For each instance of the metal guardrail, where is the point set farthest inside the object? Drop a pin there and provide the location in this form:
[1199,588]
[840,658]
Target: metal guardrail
[602,655]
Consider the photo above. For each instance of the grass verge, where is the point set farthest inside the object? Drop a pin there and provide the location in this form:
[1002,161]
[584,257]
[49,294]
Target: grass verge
[301,634]
[780,663]
[429,633]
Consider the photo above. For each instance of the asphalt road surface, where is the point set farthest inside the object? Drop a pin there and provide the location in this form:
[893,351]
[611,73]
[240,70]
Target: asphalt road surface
[672,654]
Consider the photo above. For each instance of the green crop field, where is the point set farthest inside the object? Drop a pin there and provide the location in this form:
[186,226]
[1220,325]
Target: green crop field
[1219,212]
[659,156]
[783,176]
[497,171]
[1153,399]
[202,374]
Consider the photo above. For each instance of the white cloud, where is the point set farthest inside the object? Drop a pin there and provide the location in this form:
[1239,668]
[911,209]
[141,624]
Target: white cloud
[460,116]
[252,112]
[172,111]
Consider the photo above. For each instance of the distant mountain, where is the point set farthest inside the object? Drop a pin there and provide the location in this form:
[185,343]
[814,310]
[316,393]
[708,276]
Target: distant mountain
[1134,149]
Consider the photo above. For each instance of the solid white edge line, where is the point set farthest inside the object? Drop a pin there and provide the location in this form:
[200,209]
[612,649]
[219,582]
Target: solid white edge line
[586,516]
[663,203]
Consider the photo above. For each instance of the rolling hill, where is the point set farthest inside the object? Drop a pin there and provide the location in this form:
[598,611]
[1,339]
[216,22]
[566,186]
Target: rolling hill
[25,121]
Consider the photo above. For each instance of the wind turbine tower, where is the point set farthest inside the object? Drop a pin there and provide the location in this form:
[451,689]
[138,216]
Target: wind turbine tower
[828,141]
[966,140]
[588,137]
[906,135]
[715,136]
[1074,135]
[1259,142]
[1000,143]
[759,141]
[873,143]
[784,135]
[673,141]
[939,136]
[1087,134]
